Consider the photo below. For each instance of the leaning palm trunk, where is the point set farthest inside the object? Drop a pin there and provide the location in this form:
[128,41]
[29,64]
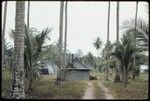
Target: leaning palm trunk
[117,76]
[18,60]
[60,64]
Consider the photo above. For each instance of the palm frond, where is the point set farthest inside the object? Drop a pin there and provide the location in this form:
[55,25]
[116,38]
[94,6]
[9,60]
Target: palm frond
[40,39]
[142,29]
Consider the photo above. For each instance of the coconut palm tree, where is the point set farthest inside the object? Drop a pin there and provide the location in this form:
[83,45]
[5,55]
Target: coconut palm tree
[106,53]
[60,67]
[3,33]
[33,58]
[124,52]
[98,43]
[34,55]
[18,59]
[108,38]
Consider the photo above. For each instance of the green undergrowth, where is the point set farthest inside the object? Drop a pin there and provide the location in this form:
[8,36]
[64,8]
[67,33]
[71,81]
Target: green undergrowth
[47,89]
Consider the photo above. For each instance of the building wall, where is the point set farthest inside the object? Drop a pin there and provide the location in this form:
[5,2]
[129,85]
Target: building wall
[78,75]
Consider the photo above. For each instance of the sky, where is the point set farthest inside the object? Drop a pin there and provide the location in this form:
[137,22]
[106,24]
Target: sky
[86,21]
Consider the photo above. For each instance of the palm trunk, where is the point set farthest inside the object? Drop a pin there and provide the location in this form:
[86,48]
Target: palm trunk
[117,19]
[3,33]
[60,67]
[133,76]
[30,85]
[136,16]
[100,69]
[108,22]
[117,76]
[65,43]
[125,78]
[18,59]
[108,39]
[135,30]
[107,71]
[123,75]
[28,15]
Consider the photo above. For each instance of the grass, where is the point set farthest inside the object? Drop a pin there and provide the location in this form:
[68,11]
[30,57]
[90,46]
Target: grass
[46,88]
[68,90]
[137,89]
[6,83]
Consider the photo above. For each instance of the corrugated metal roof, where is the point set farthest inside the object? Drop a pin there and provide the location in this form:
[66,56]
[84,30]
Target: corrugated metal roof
[82,65]
[79,68]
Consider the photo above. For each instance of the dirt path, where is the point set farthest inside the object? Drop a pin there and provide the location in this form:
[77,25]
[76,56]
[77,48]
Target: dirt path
[106,91]
[89,91]
[89,94]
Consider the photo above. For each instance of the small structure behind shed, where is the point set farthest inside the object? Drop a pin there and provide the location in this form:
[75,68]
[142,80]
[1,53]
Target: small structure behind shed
[44,71]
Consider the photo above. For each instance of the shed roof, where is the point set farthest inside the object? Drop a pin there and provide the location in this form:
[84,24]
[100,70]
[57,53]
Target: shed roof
[79,68]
